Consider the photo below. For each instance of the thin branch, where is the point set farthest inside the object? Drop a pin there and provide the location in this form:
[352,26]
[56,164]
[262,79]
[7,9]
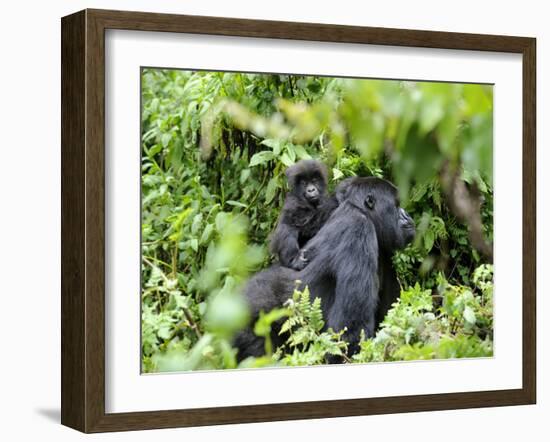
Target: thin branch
[160,261]
[346,358]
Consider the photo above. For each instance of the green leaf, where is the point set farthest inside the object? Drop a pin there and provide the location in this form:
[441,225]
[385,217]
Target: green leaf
[275,144]
[164,332]
[301,152]
[285,159]
[271,190]
[236,204]
[261,158]
[263,324]
[206,234]
[221,220]
[429,239]
[430,115]
[165,139]
[291,153]
[336,174]
[245,174]
[469,315]
[178,223]
[154,150]
[196,225]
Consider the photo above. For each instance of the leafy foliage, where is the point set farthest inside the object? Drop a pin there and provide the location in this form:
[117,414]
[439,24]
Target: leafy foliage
[214,150]
[454,322]
[308,344]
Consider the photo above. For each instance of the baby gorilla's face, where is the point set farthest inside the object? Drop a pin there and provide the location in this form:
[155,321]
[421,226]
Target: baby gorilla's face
[307,180]
[311,189]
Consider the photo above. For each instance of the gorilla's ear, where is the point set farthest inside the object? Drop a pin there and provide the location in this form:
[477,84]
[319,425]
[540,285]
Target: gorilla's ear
[342,189]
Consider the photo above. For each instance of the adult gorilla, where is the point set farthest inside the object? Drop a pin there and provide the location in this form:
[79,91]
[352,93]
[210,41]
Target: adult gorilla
[350,265]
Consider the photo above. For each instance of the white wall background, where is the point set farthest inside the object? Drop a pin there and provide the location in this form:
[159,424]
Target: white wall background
[30,216]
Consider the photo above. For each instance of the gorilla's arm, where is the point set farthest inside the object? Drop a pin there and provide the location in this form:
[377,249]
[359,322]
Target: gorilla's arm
[325,211]
[284,243]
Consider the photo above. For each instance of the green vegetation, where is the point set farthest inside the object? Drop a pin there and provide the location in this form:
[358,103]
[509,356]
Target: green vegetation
[214,150]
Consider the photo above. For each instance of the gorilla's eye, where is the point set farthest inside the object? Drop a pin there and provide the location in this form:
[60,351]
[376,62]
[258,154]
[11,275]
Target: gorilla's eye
[369,202]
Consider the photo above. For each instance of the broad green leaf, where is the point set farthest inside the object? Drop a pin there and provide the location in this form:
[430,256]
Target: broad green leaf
[221,220]
[301,152]
[154,150]
[275,144]
[469,315]
[264,322]
[336,174]
[285,159]
[245,174]
[291,153]
[271,190]
[261,158]
[197,223]
[165,139]
[206,234]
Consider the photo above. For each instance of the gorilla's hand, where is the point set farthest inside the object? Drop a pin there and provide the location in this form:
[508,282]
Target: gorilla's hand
[301,260]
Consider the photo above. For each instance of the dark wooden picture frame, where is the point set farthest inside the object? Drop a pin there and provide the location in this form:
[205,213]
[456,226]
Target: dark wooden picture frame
[83,220]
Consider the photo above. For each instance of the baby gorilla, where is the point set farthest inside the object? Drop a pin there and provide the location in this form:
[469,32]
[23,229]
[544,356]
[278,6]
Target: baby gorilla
[350,269]
[307,207]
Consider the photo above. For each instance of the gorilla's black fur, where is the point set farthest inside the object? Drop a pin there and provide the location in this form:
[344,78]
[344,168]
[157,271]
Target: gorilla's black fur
[307,207]
[350,267]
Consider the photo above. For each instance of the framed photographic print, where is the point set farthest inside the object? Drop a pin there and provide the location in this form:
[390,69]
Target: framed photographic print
[268,220]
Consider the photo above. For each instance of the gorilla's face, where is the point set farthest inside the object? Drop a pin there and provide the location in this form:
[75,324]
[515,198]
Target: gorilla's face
[379,201]
[405,229]
[307,180]
[311,188]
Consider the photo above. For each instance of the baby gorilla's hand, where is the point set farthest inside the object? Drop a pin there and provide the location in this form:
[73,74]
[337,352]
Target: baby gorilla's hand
[301,260]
